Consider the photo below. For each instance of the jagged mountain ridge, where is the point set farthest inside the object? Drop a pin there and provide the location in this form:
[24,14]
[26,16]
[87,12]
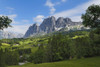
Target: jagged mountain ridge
[49,25]
[9,35]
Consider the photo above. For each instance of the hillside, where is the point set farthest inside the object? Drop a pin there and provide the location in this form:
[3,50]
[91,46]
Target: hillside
[34,42]
[87,62]
[76,45]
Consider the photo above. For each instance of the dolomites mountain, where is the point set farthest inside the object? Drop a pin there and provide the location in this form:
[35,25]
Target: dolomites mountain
[8,35]
[32,30]
[50,24]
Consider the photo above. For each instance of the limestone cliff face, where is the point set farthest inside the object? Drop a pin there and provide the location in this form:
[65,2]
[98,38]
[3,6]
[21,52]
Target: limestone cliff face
[34,29]
[50,24]
[62,22]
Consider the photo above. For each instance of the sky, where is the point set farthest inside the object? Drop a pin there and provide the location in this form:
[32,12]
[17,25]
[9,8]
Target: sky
[24,13]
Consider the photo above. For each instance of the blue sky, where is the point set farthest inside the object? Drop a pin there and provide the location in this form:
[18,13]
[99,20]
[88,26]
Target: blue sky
[26,12]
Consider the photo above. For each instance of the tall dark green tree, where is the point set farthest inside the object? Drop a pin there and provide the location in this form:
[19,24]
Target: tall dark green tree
[4,22]
[92,17]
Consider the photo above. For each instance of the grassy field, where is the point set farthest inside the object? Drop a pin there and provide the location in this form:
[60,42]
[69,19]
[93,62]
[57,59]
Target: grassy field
[85,62]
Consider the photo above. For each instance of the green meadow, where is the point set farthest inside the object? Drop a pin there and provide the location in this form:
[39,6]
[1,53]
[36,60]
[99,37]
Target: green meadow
[84,62]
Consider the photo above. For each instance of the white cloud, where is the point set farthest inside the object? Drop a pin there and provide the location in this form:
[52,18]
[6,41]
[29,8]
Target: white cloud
[77,11]
[52,10]
[63,0]
[38,19]
[49,3]
[51,6]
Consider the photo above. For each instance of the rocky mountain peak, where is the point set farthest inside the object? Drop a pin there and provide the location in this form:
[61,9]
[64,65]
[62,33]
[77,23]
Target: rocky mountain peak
[32,29]
[62,22]
[50,24]
[68,20]
[60,19]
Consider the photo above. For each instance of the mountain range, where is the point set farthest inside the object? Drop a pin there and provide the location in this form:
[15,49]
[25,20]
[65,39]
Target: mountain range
[9,35]
[51,24]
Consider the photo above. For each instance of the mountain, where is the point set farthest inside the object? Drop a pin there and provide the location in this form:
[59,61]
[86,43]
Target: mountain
[34,29]
[50,24]
[9,35]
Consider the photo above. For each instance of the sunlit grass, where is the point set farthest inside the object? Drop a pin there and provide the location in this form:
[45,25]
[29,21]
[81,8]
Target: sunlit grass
[85,62]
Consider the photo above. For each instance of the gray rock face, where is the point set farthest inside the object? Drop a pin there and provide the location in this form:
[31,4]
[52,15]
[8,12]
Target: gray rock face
[50,25]
[62,22]
[34,29]
[9,35]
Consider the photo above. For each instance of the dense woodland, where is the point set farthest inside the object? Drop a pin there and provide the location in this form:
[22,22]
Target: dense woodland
[63,47]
